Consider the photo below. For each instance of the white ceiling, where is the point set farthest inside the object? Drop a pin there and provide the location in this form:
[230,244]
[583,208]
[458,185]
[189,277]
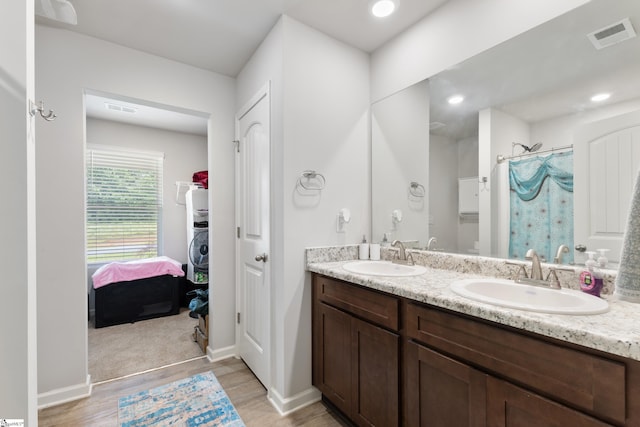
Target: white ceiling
[156,116]
[221,35]
[553,64]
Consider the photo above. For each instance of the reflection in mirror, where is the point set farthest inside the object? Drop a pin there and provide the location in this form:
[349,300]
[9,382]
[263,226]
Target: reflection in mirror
[525,100]
[400,202]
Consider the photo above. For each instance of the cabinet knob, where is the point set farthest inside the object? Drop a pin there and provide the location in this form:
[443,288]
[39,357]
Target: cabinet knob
[581,248]
[262,257]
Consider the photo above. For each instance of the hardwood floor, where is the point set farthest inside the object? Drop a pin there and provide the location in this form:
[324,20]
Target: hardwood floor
[244,390]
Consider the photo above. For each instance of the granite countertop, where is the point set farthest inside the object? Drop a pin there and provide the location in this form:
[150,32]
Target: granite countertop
[616,331]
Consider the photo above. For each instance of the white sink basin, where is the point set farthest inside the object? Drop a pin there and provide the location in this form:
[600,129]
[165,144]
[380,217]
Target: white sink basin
[507,293]
[384,268]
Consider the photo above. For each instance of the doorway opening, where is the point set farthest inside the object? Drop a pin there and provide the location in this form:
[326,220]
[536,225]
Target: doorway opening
[179,139]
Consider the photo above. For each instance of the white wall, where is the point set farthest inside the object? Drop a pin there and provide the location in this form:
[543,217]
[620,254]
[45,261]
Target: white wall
[454,32]
[68,64]
[505,130]
[400,155]
[314,126]
[184,154]
[326,131]
[18,369]
[468,229]
[497,131]
[443,192]
[468,157]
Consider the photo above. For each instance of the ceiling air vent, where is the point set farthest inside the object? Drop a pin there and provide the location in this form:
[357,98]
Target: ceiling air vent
[612,34]
[118,107]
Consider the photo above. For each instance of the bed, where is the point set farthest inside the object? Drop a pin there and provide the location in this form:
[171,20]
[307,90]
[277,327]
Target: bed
[126,292]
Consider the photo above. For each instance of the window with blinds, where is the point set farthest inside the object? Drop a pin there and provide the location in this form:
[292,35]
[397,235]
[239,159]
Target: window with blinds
[124,204]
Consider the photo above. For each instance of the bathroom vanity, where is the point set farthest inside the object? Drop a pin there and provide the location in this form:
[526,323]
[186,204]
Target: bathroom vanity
[407,351]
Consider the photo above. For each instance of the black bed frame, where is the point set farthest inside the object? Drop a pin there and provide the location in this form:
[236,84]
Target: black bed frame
[128,302]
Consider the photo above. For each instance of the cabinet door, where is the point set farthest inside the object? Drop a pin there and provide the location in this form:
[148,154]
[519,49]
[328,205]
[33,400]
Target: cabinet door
[468,195]
[375,375]
[332,358]
[442,392]
[508,405]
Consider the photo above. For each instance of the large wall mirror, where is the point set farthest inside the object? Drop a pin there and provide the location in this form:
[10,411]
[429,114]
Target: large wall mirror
[461,177]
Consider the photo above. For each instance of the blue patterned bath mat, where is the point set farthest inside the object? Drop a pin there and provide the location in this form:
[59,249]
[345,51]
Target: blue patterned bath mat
[195,401]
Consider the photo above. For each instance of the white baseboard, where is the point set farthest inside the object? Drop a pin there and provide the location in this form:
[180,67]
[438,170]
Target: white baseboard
[221,353]
[80,391]
[291,404]
[65,394]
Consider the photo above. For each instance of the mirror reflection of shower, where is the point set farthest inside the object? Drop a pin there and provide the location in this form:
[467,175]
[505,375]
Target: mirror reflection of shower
[526,148]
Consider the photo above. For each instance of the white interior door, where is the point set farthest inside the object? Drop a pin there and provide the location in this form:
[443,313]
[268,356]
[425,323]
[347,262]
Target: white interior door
[252,249]
[606,163]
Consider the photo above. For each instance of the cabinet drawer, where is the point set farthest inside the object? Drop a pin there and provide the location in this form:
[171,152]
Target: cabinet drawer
[509,405]
[585,381]
[367,304]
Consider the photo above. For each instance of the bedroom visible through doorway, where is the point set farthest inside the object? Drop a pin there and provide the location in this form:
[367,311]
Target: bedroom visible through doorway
[136,212]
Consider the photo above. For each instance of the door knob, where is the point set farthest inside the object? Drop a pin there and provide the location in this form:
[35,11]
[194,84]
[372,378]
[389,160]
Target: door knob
[262,257]
[581,248]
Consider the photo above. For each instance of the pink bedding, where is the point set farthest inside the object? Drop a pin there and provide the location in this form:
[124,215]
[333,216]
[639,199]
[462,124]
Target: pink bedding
[133,270]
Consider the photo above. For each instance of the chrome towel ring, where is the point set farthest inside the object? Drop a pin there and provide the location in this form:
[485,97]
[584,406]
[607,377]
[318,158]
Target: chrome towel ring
[416,189]
[311,180]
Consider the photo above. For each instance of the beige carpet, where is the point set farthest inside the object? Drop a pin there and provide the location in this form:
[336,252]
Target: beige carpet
[116,351]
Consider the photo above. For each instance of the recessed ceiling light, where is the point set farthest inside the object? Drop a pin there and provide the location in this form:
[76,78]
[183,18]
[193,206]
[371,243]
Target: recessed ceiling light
[600,97]
[382,8]
[455,99]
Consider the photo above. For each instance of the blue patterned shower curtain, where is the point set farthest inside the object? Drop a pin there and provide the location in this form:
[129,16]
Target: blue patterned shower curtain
[541,200]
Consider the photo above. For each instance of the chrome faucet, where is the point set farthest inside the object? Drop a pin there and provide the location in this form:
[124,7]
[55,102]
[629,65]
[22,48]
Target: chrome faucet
[522,271]
[536,269]
[535,278]
[562,249]
[402,253]
[433,241]
[552,277]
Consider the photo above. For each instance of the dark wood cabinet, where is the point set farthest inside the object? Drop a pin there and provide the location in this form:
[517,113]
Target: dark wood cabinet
[332,356]
[575,384]
[442,392]
[374,375]
[512,406]
[356,362]
[385,360]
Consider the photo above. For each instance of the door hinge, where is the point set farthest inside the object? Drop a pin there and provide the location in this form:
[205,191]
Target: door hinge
[238,317]
[237,145]
[238,232]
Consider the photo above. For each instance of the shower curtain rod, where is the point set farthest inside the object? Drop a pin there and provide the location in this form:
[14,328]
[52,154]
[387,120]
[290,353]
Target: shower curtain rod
[500,158]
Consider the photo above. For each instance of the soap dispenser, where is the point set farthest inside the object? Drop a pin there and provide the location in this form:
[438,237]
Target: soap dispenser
[363,249]
[374,251]
[591,278]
